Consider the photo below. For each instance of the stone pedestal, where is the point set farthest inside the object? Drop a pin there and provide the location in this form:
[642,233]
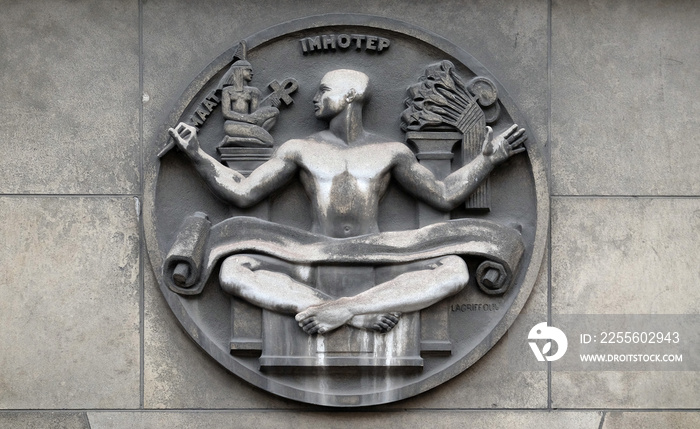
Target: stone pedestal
[434,151]
[246,319]
[245,159]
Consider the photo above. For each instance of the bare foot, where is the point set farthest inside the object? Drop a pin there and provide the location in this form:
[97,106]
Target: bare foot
[324,317]
[375,322]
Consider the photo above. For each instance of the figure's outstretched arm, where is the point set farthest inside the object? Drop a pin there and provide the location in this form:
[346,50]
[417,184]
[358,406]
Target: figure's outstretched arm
[228,184]
[456,187]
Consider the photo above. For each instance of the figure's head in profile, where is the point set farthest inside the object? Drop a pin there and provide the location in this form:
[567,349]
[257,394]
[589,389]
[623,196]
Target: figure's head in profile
[240,73]
[338,90]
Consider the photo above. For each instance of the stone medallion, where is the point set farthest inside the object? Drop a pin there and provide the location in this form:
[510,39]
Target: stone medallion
[346,210]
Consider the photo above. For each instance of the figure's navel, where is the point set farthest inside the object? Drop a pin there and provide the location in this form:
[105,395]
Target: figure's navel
[348,230]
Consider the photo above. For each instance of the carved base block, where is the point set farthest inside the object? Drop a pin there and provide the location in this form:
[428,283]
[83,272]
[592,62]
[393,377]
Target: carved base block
[245,159]
[286,345]
[435,335]
[246,328]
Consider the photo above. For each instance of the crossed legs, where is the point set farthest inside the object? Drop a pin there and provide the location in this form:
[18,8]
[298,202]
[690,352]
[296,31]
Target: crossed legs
[284,287]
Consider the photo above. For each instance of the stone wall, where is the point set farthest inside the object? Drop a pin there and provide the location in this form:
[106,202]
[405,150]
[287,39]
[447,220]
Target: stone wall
[610,89]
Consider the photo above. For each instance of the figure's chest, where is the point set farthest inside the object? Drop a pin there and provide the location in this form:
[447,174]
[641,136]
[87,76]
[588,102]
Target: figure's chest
[242,96]
[364,163]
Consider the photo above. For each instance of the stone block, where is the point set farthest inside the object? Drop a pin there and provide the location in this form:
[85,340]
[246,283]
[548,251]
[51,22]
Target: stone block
[70,303]
[625,256]
[341,420]
[625,97]
[629,389]
[651,420]
[70,98]
[44,420]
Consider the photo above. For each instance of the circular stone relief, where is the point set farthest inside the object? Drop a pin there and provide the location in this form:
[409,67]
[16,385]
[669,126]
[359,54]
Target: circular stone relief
[328,196]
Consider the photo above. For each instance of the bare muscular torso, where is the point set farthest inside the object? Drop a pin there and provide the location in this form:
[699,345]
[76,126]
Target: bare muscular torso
[344,182]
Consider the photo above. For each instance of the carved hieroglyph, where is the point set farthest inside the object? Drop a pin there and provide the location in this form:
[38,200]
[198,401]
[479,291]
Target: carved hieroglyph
[318,258]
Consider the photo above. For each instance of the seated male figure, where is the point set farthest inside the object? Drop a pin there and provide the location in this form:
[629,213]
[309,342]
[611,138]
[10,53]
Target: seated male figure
[345,171]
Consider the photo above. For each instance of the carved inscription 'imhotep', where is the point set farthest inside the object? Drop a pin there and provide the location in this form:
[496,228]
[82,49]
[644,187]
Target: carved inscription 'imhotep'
[332,42]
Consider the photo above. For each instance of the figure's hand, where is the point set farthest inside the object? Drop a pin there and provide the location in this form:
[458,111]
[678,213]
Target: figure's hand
[505,145]
[185,137]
